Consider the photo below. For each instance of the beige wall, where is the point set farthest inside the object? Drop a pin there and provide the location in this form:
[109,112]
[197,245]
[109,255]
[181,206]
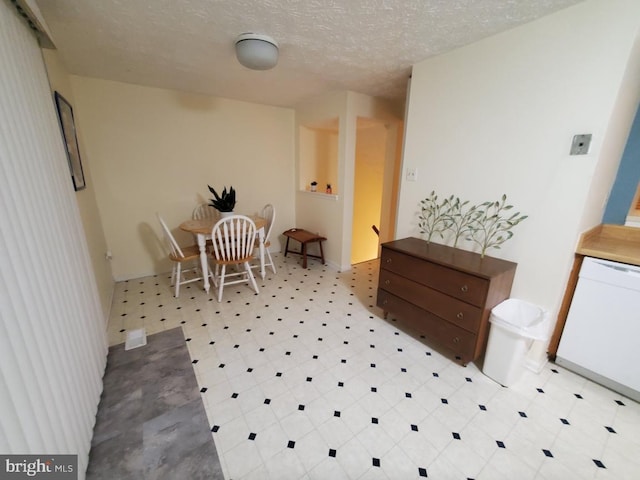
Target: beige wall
[154,150]
[89,212]
[498,117]
[332,216]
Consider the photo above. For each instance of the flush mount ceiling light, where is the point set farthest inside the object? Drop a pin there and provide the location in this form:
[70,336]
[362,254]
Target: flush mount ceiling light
[257,52]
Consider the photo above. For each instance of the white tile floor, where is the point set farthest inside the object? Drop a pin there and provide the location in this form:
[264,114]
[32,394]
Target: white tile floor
[307,381]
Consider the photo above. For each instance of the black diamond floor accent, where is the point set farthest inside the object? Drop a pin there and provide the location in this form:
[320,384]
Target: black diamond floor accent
[610,430]
[234,395]
[301,407]
[376,462]
[578,395]
[522,414]
[456,435]
[565,421]
[619,402]
[547,453]
[267,401]
[414,428]
[540,390]
[444,400]
[215,428]
[422,472]
[291,444]
[408,395]
[500,444]
[203,389]
[374,420]
[599,463]
[252,436]
[336,413]
[482,407]
[332,452]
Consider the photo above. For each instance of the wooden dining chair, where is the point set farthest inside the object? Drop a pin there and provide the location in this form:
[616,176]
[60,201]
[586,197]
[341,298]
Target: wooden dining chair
[233,242]
[179,256]
[269,214]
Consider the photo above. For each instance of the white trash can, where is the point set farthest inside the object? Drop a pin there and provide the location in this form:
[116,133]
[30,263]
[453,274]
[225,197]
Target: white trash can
[515,324]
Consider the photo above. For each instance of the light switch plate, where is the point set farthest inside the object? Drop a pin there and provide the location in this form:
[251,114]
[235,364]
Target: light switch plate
[580,144]
[412,174]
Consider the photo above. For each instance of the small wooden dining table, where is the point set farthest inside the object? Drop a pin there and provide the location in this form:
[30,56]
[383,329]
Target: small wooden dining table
[202,230]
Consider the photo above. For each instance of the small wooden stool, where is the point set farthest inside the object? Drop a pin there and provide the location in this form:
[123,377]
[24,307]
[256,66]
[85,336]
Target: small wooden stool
[304,238]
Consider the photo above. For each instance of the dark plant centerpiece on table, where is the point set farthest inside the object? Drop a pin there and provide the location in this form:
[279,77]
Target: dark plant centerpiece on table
[225,202]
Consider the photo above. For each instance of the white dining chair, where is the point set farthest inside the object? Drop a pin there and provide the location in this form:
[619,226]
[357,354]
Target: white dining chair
[269,214]
[179,256]
[204,211]
[233,242]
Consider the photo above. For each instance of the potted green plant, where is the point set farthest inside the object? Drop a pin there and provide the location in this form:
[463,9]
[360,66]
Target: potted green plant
[225,202]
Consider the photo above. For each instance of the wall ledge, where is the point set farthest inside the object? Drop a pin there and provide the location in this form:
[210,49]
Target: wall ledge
[321,195]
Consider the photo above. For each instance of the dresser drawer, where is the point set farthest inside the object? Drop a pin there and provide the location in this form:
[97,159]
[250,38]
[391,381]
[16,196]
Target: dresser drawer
[455,311]
[468,288]
[459,341]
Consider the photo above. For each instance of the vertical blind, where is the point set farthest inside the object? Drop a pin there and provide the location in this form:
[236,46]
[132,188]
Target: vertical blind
[52,339]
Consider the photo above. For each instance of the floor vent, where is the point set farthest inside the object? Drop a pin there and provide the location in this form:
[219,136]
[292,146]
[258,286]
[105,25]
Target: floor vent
[136,338]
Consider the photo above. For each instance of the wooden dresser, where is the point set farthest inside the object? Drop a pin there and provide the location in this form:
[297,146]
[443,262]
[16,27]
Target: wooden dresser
[443,294]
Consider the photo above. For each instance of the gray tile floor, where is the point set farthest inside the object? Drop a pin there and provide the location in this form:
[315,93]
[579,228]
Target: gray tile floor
[307,381]
[151,421]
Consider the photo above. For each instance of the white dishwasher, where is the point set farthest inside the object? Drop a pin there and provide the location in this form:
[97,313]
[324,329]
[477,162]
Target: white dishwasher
[601,338]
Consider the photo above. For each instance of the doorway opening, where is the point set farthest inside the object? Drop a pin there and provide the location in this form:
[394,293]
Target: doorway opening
[376,173]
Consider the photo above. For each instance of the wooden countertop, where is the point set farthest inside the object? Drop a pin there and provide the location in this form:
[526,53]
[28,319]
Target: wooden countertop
[611,242]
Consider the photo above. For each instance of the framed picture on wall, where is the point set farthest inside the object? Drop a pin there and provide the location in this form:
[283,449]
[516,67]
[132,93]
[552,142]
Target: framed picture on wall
[65,114]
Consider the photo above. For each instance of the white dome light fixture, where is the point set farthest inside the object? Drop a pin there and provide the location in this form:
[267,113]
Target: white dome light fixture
[257,52]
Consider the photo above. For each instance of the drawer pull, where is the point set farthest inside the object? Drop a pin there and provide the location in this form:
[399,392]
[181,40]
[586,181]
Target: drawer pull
[460,315]
[456,340]
[387,282]
[464,289]
[388,260]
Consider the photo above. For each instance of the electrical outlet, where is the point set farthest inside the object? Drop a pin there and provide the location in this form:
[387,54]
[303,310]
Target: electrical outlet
[412,174]
[580,144]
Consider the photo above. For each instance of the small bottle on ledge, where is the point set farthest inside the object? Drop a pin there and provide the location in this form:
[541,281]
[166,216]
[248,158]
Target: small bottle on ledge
[328,188]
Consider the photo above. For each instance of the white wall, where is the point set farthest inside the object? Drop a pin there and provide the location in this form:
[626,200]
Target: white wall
[86,199]
[498,117]
[319,212]
[156,150]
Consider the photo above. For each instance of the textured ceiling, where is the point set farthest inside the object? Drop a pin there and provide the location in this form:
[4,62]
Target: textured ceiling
[366,46]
